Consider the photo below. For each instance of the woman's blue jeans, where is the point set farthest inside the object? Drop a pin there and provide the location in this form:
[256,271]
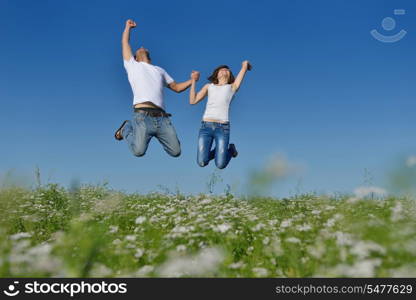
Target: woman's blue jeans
[220,133]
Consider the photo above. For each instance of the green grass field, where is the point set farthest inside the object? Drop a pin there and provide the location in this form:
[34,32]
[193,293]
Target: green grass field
[93,231]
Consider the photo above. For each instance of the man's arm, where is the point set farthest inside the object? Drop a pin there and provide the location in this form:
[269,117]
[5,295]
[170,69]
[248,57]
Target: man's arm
[244,68]
[181,86]
[127,54]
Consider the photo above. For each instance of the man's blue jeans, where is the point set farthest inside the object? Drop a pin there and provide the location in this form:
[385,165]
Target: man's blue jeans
[143,127]
[209,132]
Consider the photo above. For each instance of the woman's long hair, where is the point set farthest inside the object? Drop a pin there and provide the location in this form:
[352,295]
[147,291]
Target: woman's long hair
[214,76]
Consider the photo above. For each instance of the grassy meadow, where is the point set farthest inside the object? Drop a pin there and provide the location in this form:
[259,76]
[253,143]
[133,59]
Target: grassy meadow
[95,231]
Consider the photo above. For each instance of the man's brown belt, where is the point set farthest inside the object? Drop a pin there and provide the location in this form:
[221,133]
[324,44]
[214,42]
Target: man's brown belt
[153,112]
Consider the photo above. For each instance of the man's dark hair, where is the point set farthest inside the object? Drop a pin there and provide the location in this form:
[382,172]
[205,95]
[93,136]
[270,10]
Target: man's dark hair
[147,54]
[214,76]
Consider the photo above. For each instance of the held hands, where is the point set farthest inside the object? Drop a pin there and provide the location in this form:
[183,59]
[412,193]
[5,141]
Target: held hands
[195,75]
[246,64]
[130,24]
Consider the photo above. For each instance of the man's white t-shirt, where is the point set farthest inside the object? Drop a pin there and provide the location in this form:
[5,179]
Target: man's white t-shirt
[147,81]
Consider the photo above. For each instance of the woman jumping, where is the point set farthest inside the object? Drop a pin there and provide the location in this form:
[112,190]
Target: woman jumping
[215,122]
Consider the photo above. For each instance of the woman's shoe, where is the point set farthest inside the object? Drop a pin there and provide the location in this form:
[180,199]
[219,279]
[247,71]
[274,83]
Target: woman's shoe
[234,150]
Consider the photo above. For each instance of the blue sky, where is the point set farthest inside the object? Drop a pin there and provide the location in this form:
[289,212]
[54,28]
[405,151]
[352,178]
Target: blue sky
[322,91]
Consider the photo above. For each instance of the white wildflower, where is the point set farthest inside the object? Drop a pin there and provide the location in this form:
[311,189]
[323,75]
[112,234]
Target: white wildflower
[20,235]
[330,222]
[317,251]
[222,228]
[260,272]
[343,253]
[408,271]
[409,246]
[201,245]
[272,222]
[140,220]
[139,253]
[258,227]
[100,270]
[130,238]
[37,258]
[154,219]
[204,262]
[252,218]
[178,219]
[266,240]
[236,265]
[113,229]
[362,268]
[304,227]
[293,240]
[286,223]
[183,229]
[205,201]
[105,205]
[363,249]
[299,216]
[276,246]
[343,239]
[397,212]
[353,199]
[181,248]
[169,210]
[144,271]
[116,242]
[40,250]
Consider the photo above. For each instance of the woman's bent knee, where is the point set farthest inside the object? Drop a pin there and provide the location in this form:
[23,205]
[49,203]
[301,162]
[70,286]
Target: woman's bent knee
[220,164]
[202,163]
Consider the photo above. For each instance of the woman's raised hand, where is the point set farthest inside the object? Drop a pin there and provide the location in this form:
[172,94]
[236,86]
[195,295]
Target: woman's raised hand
[195,75]
[246,64]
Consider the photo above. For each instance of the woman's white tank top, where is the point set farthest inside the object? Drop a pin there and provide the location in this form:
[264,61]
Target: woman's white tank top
[218,104]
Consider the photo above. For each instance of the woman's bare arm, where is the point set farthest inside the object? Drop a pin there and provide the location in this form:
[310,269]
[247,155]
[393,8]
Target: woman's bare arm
[239,79]
[194,97]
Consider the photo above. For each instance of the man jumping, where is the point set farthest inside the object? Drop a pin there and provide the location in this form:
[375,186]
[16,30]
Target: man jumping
[149,117]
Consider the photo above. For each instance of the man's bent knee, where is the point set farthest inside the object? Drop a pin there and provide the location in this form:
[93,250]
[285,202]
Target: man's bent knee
[175,153]
[139,152]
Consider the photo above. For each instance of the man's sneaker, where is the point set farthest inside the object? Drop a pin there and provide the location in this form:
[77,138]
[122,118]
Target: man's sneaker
[118,135]
[234,150]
